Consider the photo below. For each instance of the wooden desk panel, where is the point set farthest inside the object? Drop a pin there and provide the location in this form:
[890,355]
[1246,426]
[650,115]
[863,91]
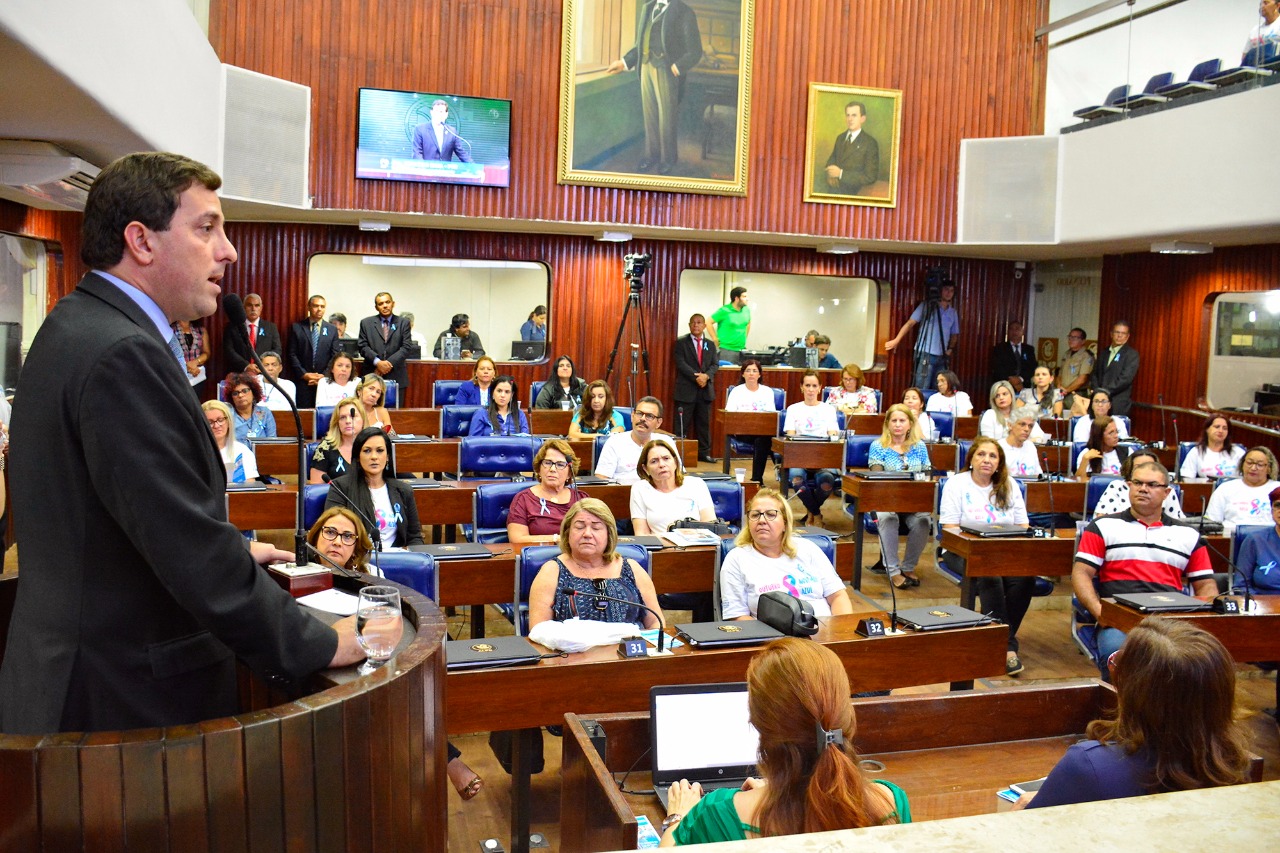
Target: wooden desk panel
[966,428]
[286,428]
[550,421]
[1067,495]
[1252,637]
[810,454]
[884,496]
[437,456]
[745,423]
[273,509]
[1019,557]
[415,421]
[278,459]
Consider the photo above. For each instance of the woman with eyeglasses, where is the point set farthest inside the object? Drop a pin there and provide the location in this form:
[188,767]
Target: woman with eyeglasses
[1259,557]
[333,455]
[338,381]
[769,556]
[372,492]
[1099,407]
[1115,498]
[563,389]
[249,417]
[589,563]
[1174,726]
[503,415]
[1019,453]
[1215,454]
[241,464]
[537,512]
[1246,500]
[851,396]
[596,415]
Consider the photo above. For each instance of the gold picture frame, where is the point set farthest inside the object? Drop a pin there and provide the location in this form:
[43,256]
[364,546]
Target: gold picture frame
[834,167]
[606,139]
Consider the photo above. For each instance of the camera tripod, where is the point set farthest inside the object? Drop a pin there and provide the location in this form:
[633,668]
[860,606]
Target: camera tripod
[640,350]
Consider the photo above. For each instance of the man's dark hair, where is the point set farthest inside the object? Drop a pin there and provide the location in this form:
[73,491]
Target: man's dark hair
[338,317]
[654,400]
[1082,332]
[143,187]
[862,108]
[736,292]
[438,101]
[458,321]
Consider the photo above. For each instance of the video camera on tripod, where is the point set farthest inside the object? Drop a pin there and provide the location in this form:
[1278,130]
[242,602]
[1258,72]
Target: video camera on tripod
[634,267]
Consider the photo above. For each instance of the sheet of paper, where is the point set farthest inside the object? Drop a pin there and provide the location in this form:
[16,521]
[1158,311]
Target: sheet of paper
[331,601]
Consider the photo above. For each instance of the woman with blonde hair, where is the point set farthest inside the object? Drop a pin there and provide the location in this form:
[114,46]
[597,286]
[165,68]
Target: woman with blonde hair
[241,464]
[333,455]
[900,448]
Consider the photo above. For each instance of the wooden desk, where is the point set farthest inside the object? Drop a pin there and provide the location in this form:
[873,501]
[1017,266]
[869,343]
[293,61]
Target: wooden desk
[966,427]
[415,421]
[864,424]
[276,458]
[886,496]
[1027,557]
[1195,494]
[286,428]
[942,455]
[436,456]
[550,421]
[1252,637]
[746,423]
[948,770]
[276,508]
[809,454]
[1067,496]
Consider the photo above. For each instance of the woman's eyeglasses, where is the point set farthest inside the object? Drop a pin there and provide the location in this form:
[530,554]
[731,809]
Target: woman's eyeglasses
[554,464]
[332,533]
[767,514]
[213,422]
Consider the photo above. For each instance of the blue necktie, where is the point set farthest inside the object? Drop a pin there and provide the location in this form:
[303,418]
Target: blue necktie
[177,353]
[315,343]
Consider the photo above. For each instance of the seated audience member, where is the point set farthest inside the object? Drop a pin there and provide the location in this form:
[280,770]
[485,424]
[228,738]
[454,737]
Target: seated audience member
[460,327]
[1099,407]
[1245,500]
[595,416]
[1020,455]
[476,392]
[949,399]
[1104,454]
[986,494]
[811,338]
[826,361]
[852,397]
[503,415]
[1215,454]
[333,455]
[798,700]
[249,417]
[1115,498]
[535,328]
[1140,550]
[413,350]
[621,453]
[900,448]
[272,397]
[370,490]
[664,495]
[339,381]
[1174,727]
[339,321]
[1259,557]
[770,557]
[372,393]
[1043,394]
[751,396]
[241,464]
[812,417]
[590,563]
[536,513]
[563,389]
[913,399]
[994,422]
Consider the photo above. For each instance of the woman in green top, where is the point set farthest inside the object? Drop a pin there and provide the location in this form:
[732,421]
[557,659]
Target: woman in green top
[798,700]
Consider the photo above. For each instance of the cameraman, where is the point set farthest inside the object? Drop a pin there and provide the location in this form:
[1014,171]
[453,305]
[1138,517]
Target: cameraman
[939,329]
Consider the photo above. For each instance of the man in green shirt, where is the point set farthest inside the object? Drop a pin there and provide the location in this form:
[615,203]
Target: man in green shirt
[730,325]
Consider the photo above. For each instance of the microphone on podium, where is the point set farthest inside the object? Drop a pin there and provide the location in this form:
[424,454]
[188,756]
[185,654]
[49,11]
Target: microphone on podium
[572,593]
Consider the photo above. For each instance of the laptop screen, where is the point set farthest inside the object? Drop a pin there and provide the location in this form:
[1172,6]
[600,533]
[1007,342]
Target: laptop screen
[702,727]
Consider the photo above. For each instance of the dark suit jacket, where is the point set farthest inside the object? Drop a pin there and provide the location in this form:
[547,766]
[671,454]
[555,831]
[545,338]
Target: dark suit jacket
[425,148]
[136,593]
[859,162]
[1006,363]
[400,493]
[675,39]
[687,390]
[394,349]
[301,359]
[1116,377]
[236,346]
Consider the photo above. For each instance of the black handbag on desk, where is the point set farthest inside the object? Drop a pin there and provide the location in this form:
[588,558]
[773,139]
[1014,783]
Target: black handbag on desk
[718,527]
[787,614]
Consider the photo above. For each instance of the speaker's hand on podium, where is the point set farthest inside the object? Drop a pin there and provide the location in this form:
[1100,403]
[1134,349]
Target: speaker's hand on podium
[349,651]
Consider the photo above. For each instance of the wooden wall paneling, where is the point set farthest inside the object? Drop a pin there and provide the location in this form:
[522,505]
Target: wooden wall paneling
[184,766]
[102,799]
[144,777]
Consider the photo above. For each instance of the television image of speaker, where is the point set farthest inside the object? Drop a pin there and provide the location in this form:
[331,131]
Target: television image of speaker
[433,138]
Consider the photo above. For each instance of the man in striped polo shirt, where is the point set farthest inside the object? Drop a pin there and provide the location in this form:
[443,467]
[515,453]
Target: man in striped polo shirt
[1139,550]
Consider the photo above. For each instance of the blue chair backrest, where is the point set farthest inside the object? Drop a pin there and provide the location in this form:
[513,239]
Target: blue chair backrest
[1156,81]
[857,450]
[324,414]
[1077,447]
[414,569]
[532,557]
[310,453]
[505,454]
[534,389]
[445,391]
[455,421]
[1093,492]
[1204,69]
[597,447]
[392,398]
[962,453]
[825,544]
[1119,93]
[313,498]
[1242,532]
[625,412]
[727,495]
[945,422]
[490,505]
[937,505]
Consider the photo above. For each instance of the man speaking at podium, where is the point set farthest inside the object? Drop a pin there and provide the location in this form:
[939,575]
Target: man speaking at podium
[136,595]
[435,140]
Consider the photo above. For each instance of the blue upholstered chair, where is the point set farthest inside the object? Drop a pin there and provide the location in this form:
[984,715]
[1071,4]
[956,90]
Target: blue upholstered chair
[455,421]
[414,569]
[495,455]
[445,391]
[490,505]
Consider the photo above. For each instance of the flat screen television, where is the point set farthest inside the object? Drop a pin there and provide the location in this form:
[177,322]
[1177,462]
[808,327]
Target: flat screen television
[442,139]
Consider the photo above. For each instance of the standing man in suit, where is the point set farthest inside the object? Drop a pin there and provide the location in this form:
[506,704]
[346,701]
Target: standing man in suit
[436,140]
[312,345]
[137,596]
[1014,360]
[385,342]
[1116,368]
[668,46]
[854,163]
[696,362]
[263,337]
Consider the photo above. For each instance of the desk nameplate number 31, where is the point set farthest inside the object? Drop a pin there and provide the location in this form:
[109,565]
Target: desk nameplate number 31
[633,647]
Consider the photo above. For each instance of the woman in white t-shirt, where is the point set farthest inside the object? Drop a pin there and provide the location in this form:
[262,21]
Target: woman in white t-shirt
[372,493]
[913,399]
[986,494]
[1020,455]
[770,557]
[1215,454]
[664,495]
[1104,453]
[241,464]
[949,399]
[751,396]
[1099,407]
[812,417]
[1248,499]
[337,382]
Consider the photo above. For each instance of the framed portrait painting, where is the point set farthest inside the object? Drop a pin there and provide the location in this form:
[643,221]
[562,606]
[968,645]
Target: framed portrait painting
[851,145]
[655,95]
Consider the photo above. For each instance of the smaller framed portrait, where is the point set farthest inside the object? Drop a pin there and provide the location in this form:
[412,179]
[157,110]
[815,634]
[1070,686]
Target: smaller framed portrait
[852,144]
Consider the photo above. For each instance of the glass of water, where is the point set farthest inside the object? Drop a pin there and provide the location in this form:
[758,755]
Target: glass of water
[379,625]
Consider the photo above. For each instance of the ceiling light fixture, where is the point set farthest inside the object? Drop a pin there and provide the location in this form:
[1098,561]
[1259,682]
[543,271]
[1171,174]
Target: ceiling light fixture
[837,248]
[613,236]
[1181,247]
[375,225]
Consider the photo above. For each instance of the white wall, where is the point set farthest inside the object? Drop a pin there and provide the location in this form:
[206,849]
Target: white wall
[1067,294]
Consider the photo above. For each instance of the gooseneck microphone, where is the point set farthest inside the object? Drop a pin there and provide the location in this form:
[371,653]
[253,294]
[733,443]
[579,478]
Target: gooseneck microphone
[1048,485]
[1164,435]
[571,593]
[234,309]
[1177,446]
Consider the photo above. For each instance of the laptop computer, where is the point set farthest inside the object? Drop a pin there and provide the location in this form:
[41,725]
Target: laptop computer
[995,531]
[249,486]
[822,438]
[454,551]
[941,616]
[528,350]
[811,530]
[703,733]
[489,651]
[649,543]
[709,475]
[716,635]
[590,480]
[1161,602]
[423,482]
[885,475]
